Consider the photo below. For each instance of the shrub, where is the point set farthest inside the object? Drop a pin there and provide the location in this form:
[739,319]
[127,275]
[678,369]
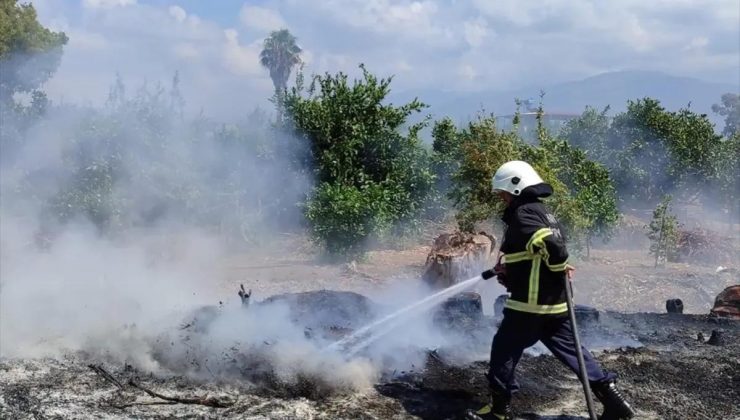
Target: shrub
[584,199]
[663,232]
[344,217]
[372,177]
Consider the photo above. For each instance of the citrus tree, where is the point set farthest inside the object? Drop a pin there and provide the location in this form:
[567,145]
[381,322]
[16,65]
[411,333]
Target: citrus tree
[372,172]
[584,199]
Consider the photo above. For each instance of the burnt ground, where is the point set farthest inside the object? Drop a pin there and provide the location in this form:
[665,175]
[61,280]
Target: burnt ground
[665,371]
[673,375]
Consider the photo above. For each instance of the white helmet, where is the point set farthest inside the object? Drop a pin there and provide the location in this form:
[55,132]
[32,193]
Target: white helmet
[514,176]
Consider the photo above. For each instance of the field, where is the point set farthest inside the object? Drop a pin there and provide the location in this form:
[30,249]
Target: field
[665,370]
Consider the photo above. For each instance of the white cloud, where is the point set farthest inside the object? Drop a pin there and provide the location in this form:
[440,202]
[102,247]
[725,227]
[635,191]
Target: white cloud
[178,13]
[403,66]
[475,31]
[479,44]
[241,60]
[193,20]
[86,40]
[260,18]
[697,43]
[145,43]
[417,20]
[186,51]
[94,4]
[467,72]
[307,57]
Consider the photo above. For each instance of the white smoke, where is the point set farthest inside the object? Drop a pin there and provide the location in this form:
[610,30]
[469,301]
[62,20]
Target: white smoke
[127,302]
[83,289]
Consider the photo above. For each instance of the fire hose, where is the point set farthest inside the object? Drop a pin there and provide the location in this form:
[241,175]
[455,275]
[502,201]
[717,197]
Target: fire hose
[488,274]
[579,351]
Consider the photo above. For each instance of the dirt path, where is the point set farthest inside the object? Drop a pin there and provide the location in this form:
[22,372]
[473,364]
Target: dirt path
[618,280]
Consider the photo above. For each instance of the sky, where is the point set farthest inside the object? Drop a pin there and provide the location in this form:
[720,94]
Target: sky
[448,45]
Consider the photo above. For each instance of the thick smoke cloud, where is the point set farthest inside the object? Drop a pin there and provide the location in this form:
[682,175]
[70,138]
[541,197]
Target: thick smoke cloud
[114,220]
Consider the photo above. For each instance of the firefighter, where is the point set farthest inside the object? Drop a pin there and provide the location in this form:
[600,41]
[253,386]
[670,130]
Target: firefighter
[533,268]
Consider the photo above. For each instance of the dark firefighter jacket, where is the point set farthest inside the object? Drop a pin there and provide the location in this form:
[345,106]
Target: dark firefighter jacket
[534,254]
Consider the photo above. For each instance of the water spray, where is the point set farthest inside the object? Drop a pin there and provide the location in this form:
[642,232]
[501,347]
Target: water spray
[368,334]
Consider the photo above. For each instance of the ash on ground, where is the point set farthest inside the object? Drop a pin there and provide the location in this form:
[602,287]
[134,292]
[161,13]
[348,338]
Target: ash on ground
[668,368]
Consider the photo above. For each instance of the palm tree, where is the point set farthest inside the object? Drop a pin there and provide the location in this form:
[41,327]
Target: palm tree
[279,55]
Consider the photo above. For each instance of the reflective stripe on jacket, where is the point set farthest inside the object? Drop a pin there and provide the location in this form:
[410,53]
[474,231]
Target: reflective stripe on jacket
[534,254]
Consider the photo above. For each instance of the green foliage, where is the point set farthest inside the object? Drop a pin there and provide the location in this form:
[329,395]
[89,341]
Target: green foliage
[482,150]
[648,150]
[445,142]
[137,162]
[584,198]
[662,151]
[139,158]
[29,53]
[730,109]
[551,164]
[728,167]
[91,195]
[260,158]
[357,146]
[127,143]
[445,162]
[594,196]
[663,232]
[344,217]
[589,133]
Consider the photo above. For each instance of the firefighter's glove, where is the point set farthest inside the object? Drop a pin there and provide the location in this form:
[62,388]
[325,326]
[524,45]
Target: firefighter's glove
[500,271]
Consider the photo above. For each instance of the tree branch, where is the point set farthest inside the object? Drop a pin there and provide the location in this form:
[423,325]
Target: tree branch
[209,402]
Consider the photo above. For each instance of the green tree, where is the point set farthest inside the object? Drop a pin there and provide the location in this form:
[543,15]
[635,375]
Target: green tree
[728,167]
[359,153]
[663,232]
[592,190]
[280,54]
[29,53]
[445,162]
[584,198]
[730,109]
[658,151]
[551,164]
[483,148]
[589,133]
[138,160]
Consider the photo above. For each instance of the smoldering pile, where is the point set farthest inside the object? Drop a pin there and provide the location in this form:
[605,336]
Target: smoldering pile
[282,343]
[702,245]
[275,344]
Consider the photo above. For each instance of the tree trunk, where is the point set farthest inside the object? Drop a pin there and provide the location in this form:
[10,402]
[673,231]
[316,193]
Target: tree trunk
[456,257]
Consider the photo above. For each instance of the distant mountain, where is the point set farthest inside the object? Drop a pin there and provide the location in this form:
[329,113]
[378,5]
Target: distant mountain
[613,89]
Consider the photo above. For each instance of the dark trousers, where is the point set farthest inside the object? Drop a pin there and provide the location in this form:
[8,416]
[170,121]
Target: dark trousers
[520,330]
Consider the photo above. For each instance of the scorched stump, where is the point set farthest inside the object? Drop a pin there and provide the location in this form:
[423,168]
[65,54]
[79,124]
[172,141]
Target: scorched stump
[456,257]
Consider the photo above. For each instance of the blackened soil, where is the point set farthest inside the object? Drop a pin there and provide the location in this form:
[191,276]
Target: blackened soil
[670,374]
[673,376]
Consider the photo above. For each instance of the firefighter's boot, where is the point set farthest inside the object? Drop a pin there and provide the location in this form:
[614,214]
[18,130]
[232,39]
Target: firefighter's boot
[615,406]
[499,408]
